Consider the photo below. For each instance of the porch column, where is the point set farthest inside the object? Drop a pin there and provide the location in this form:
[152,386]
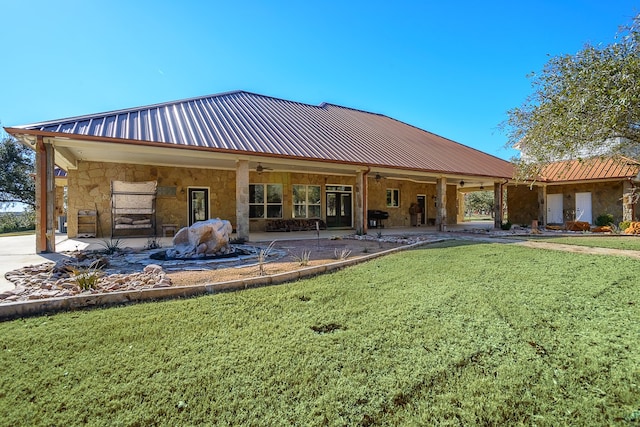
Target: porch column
[542,210]
[497,205]
[627,201]
[441,204]
[242,199]
[361,202]
[45,198]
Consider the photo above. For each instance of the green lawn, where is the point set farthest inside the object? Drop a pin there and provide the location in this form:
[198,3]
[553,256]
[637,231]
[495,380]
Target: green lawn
[456,334]
[614,242]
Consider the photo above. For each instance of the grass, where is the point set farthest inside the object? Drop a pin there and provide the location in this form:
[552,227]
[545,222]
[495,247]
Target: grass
[612,242]
[455,334]
[17,233]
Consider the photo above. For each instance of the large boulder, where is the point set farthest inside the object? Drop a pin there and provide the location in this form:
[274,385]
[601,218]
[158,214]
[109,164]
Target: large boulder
[202,239]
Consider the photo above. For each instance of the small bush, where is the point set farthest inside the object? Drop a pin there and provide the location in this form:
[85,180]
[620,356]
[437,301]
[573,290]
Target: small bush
[604,219]
[624,225]
[506,225]
[304,257]
[87,277]
[111,246]
[341,254]
[153,243]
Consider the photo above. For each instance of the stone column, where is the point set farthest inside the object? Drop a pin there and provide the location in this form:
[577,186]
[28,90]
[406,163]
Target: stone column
[627,201]
[542,209]
[441,204]
[242,199]
[361,202]
[45,198]
[497,205]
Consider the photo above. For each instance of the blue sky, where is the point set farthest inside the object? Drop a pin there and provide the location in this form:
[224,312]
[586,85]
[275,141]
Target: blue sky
[453,68]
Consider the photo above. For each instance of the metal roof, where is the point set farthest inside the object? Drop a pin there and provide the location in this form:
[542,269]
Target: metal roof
[250,123]
[591,169]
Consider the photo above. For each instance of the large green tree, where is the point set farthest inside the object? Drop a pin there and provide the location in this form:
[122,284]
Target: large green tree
[582,105]
[16,181]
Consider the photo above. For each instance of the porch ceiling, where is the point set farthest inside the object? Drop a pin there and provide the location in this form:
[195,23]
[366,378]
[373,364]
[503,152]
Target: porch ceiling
[69,151]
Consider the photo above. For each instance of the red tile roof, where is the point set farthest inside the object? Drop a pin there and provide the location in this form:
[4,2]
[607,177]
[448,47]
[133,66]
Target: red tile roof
[591,169]
[251,123]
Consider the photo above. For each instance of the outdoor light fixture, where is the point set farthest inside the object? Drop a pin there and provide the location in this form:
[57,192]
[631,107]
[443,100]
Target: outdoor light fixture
[481,187]
[461,183]
[378,177]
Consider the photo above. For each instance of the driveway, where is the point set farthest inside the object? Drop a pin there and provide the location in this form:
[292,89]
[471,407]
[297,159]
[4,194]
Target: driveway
[20,251]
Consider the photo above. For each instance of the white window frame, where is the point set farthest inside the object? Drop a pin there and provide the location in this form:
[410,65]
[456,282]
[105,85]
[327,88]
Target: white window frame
[392,192]
[265,203]
[306,203]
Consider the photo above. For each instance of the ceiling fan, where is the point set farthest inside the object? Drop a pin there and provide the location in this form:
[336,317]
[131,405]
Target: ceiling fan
[378,177]
[261,168]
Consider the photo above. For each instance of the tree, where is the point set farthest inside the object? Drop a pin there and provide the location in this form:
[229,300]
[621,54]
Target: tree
[16,181]
[582,105]
[480,202]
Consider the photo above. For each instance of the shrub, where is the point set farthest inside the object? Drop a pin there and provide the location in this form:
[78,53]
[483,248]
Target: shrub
[604,219]
[506,225]
[624,225]
[87,277]
[304,257]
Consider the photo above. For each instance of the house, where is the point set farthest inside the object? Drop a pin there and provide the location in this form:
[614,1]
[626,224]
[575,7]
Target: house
[252,159]
[578,190]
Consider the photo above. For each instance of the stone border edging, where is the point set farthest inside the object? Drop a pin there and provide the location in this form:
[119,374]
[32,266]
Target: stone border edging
[20,309]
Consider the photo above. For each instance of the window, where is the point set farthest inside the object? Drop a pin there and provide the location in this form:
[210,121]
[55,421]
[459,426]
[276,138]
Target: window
[265,200]
[393,197]
[306,201]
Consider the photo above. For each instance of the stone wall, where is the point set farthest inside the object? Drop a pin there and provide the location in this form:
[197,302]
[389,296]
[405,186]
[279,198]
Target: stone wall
[522,204]
[89,187]
[606,198]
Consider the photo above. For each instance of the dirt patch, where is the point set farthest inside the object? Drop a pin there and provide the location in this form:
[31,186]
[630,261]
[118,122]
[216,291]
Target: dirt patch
[320,252]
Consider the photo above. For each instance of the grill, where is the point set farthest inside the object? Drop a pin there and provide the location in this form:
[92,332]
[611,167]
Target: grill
[376,218]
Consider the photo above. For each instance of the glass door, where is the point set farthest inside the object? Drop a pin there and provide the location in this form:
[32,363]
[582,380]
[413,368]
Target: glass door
[339,206]
[198,204]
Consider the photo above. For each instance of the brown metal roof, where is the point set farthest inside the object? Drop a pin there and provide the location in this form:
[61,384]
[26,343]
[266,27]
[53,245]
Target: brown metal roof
[591,169]
[251,123]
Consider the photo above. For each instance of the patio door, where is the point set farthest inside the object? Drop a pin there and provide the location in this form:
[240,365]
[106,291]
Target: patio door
[422,202]
[198,205]
[338,206]
[554,209]
[583,207]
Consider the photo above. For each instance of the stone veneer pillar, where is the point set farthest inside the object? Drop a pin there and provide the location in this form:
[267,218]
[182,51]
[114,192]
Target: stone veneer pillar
[441,203]
[361,202]
[497,205]
[45,198]
[627,201]
[242,199]
[542,200]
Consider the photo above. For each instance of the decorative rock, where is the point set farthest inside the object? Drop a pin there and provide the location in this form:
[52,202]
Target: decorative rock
[201,239]
[152,268]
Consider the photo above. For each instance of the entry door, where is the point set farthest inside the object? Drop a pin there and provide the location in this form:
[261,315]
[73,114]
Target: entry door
[338,209]
[583,207]
[422,202]
[554,209]
[198,204]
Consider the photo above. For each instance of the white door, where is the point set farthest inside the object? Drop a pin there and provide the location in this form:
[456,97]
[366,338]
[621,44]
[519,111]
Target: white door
[583,207]
[554,209]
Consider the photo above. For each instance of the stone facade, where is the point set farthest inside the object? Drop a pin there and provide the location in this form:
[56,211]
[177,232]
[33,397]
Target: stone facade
[606,198]
[89,188]
[522,204]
